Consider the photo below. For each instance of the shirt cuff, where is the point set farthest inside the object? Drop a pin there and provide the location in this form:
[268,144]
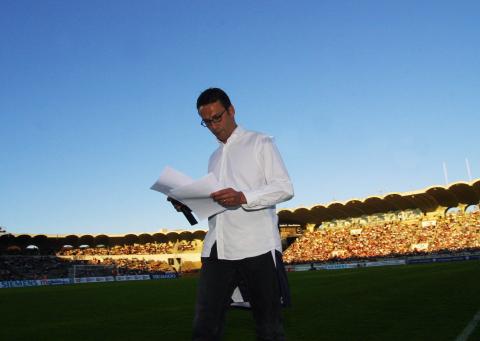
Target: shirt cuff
[252,198]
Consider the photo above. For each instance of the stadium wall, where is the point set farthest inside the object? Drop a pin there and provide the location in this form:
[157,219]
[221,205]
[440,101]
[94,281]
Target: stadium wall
[385,262]
[99,279]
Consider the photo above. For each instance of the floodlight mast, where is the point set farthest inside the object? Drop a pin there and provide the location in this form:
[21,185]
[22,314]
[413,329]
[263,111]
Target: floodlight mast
[445,174]
[469,172]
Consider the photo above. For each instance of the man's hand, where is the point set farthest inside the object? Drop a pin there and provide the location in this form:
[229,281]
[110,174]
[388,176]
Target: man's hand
[229,197]
[187,212]
[177,204]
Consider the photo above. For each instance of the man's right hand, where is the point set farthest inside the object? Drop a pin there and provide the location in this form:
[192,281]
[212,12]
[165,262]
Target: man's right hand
[177,204]
[187,212]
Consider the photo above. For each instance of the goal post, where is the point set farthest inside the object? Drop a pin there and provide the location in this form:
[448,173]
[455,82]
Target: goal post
[98,270]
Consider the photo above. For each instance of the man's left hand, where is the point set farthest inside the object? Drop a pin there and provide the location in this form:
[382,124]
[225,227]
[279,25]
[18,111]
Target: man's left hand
[229,197]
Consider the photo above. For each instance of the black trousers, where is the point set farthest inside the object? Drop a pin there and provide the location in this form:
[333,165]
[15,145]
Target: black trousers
[218,279]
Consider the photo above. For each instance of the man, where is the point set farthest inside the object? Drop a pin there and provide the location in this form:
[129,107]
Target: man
[242,242]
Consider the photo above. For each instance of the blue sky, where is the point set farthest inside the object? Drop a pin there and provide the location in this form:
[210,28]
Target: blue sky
[96,97]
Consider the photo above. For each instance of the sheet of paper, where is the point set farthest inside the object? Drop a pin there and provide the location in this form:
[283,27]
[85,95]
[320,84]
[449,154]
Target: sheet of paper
[170,179]
[196,195]
[193,193]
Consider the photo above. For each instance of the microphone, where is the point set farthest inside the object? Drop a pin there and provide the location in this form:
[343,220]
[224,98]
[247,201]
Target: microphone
[187,212]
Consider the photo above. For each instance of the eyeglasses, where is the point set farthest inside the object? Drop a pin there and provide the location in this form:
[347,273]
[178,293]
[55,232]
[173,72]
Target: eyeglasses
[215,119]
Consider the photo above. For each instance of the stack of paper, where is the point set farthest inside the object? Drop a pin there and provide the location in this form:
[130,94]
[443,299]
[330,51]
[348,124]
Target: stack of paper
[193,193]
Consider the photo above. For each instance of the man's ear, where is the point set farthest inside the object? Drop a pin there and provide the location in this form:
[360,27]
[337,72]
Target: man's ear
[231,111]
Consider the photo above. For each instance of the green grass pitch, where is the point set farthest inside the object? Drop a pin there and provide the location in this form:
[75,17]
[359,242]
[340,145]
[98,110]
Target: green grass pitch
[415,302]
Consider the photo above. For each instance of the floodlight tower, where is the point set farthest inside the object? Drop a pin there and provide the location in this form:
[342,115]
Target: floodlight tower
[469,172]
[445,173]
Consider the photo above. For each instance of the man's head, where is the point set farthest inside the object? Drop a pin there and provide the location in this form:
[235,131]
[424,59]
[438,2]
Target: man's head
[217,112]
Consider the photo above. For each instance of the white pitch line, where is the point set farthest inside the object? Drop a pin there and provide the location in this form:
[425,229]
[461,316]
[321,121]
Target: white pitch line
[469,328]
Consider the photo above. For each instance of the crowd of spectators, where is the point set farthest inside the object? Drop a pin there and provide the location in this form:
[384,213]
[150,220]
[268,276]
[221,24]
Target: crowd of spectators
[135,249]
[450,234]
[134,266]
[43,267]
[33,267]
[25,266]
[453,233]
[21,267]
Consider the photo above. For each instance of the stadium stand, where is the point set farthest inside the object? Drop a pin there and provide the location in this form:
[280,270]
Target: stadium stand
[24,257]
[135,249]
[44,267]
[397,224]
[32,267]
[430,202]
[436,220]
[454,233]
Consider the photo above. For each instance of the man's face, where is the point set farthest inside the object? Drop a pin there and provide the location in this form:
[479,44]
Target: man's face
[213,112]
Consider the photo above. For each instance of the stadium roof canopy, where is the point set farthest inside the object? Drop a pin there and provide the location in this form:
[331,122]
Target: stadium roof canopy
[427,200]
[97,239]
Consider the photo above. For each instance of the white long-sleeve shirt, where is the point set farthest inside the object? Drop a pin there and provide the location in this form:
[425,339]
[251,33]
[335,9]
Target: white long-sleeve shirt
[248,162]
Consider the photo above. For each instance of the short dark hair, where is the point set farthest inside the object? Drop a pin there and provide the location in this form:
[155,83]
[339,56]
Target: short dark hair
[212,95]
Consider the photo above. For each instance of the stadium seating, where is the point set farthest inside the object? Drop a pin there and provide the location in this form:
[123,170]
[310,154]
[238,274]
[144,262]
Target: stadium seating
[43,267]
[32,267]
[453,233]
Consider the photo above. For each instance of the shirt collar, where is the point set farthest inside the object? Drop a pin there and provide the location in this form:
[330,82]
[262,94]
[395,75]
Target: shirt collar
[239,131]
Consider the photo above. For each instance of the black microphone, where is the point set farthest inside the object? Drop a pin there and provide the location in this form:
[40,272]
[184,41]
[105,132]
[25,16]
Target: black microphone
[187,212]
